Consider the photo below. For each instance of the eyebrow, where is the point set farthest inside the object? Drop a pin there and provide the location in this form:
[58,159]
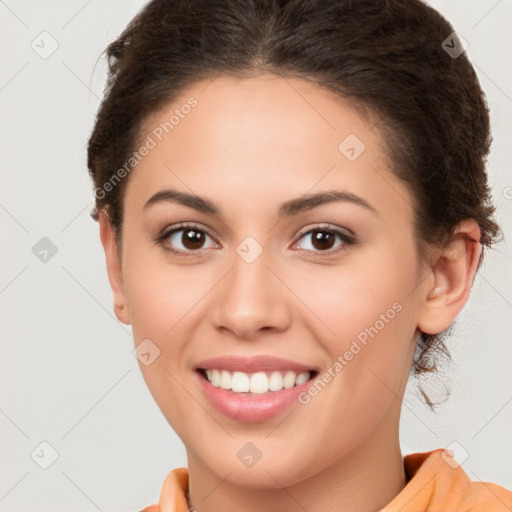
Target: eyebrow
[286,209]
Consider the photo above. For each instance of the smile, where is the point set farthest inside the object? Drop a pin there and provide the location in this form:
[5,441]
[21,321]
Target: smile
[253,389]
[256,383]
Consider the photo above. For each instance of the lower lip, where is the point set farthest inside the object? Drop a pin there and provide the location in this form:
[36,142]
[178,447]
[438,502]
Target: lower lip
[251,408]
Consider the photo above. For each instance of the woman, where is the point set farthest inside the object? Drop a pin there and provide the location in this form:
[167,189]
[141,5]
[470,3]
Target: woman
[293,205]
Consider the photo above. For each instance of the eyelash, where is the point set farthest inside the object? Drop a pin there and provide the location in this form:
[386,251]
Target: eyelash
[161,238]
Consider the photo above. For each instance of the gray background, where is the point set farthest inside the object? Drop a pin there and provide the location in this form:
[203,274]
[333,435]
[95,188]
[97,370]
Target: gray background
[68,374]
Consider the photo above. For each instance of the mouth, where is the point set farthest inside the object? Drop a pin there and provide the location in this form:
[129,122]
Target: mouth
[253,389]
[256,383]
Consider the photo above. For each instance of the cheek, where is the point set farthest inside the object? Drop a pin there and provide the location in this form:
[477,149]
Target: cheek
[368,321]
[359,295]
[160,299]
[160,295]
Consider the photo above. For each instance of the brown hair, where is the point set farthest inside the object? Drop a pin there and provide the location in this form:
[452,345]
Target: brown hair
[386,57]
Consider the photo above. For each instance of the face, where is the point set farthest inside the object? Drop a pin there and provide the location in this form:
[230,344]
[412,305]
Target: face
[265,287]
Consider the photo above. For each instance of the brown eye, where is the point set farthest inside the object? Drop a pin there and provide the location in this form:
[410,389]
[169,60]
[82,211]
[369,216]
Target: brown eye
[192,239]
[185,239]
[323,240]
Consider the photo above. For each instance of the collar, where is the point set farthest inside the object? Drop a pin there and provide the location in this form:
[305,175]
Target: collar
[435,483]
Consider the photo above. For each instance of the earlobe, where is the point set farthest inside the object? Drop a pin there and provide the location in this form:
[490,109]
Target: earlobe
[114,267]
[453,270]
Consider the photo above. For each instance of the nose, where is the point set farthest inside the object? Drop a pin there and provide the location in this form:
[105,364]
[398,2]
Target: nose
[251,300]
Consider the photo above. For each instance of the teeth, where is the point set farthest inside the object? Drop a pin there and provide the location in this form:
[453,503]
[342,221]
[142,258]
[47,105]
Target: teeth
[275,383]
[301,378]
[225,380]
[289,380]
[240,382]
[213,377]
[258,383]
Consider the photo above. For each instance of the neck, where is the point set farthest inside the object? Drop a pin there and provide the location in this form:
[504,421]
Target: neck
[364,480]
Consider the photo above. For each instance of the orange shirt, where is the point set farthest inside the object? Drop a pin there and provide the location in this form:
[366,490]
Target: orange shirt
[435,483]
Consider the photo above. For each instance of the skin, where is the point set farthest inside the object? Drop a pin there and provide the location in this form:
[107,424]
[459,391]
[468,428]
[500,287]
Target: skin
[249,146]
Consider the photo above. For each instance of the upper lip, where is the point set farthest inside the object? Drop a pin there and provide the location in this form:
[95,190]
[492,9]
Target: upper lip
[251,364]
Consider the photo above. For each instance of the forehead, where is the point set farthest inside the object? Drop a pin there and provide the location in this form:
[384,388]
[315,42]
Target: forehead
[263,136]
[267,108]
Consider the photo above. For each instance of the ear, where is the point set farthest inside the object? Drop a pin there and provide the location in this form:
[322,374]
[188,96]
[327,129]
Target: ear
[114,267]
[453,270]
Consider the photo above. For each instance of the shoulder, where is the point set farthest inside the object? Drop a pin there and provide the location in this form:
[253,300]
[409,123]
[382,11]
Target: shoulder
[487,497]
[436,482]
[173,494]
